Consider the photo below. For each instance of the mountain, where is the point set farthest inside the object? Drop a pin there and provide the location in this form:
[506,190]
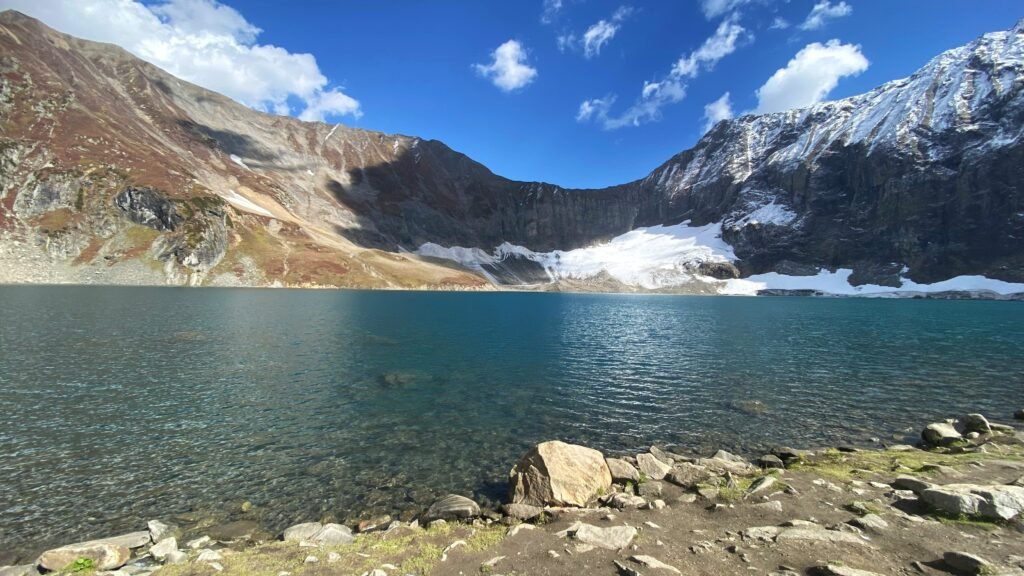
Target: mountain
[112,170]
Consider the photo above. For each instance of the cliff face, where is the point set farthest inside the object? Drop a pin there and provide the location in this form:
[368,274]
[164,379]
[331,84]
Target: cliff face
[107,162]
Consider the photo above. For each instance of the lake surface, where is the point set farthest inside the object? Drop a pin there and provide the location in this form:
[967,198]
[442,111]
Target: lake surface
[118,405]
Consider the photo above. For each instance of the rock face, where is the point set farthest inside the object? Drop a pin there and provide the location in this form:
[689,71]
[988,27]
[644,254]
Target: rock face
[559,474]
[992,502]
[105,556]
[921,172]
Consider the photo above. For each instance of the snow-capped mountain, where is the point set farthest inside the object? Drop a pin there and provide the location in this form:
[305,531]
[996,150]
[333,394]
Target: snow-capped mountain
[107,162]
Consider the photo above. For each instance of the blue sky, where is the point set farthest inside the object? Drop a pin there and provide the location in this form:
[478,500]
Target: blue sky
[409,67]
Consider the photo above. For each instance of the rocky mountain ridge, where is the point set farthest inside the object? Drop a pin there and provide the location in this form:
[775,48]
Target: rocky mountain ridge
[917,179]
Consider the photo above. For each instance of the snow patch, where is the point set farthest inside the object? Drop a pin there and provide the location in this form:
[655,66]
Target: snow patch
[239,161]
[772,213]
[838,283]
[239,201]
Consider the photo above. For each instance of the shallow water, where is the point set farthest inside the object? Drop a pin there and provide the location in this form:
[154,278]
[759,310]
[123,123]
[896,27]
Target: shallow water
[118,405]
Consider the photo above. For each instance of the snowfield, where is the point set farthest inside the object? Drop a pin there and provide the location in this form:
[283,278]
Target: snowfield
[660,257]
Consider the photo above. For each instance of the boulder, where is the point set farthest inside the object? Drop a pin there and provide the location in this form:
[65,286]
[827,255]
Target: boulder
[819,534]
[688,475]
[652,467]
[159,530]
[915,485]
[452,507]
[161,549]
[559,474]
[975,423]
[761,484]
[870,522]
[333,535]
[964,563]
[523,511]
[105,556]
[612,538]
[661,455]
[131,540]
[720,466]
[622,501]
[651,489]
[996,502]
[770,461]
[940,434]
[300,532]
[622,471]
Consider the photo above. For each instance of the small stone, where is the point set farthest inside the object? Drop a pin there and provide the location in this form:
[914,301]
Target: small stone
[333,557]
[493,562]
[838,570]
[707,492]
[688,498]
[334,535]
[652,562]
[208,555]
[967,563]
[553,554]
[656,505]
[372,524]
[761,484]
[870,522]
[772,506]
[311,560]
[519,528]
[199,542]
[436,524]
[625,570]
[915,485]
[216,566]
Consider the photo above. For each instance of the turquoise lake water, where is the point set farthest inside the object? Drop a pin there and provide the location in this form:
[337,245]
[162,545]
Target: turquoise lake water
[118,405]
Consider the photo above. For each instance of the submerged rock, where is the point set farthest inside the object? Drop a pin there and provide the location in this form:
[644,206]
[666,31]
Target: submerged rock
[559,474]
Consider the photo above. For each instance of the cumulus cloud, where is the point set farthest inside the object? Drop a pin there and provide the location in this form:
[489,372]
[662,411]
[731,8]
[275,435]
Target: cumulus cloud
[715,112]
[508,70]
[206,43]
[779,23]
[824,11]
[810,76]
[672,88]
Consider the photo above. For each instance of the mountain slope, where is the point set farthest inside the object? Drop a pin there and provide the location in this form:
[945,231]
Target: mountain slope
[112,170]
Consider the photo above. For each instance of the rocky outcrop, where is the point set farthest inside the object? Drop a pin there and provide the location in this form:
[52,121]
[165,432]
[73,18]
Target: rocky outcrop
[148,207]
[559,474]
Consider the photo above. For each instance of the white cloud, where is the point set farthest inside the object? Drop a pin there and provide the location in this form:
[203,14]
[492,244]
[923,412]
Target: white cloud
[596,36]
[509,70]
[594,108]
[551,10]
[810,76]
[779,23]
[715,112]
[714,8]
[823,11]
[204,42]
[657,94]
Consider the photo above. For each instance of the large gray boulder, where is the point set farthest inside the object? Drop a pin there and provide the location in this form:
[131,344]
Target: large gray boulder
[998,502]
[559,474]
[940,434]
[327,534]
[975,423]
[452,507]
[104,555]
[688,475]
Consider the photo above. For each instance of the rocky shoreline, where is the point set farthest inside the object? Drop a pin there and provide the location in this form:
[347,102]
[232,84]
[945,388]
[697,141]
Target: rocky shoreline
[952,504]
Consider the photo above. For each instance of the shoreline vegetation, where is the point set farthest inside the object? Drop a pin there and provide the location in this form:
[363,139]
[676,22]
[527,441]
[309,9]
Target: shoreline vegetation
[953,504]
